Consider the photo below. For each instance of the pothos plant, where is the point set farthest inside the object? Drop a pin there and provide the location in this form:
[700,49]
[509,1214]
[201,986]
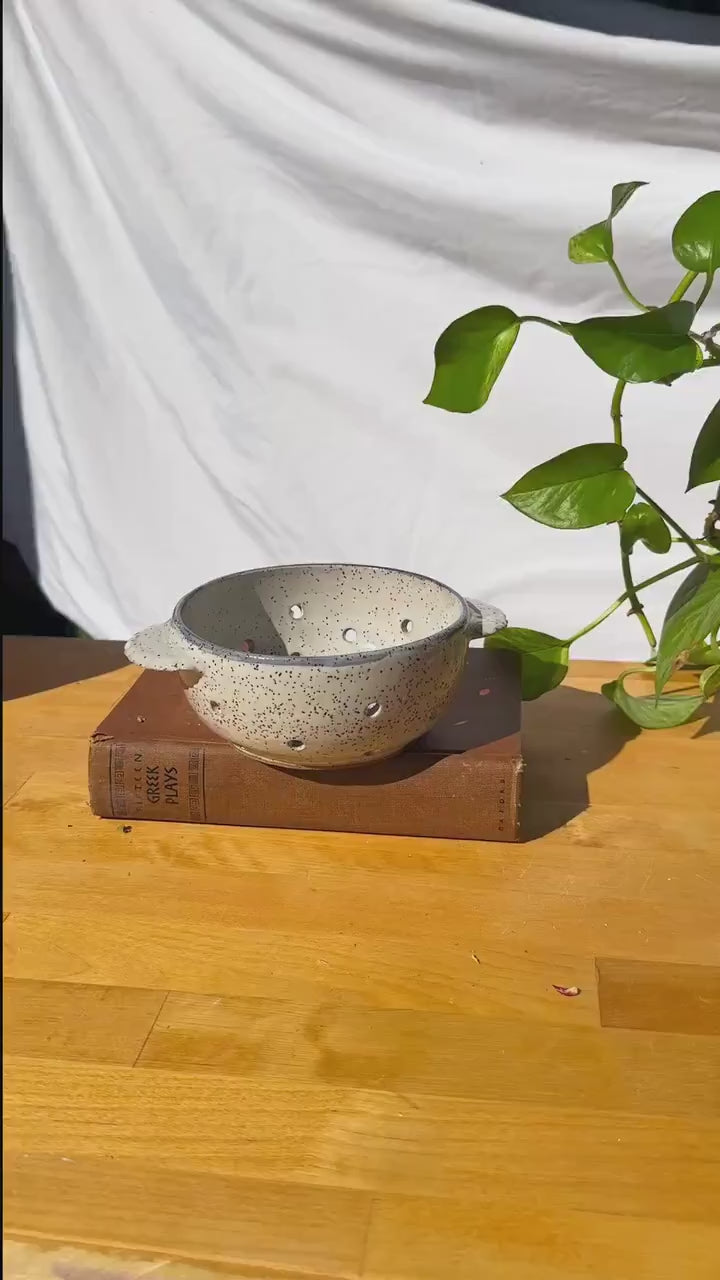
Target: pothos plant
[590,484]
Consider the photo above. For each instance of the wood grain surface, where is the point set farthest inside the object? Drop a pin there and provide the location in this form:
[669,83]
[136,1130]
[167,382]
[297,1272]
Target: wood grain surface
[277,1055]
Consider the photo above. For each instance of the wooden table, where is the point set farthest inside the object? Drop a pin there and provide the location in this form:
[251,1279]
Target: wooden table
[307,1055]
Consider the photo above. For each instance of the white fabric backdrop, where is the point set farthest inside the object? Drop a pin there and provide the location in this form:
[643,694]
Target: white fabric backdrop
[237,227]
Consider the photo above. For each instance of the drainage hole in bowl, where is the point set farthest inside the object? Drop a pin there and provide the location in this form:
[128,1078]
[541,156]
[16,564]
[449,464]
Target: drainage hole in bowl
[247,646]
[296,744]
[296,611]
[373,709]
[294,654]
[406,626]
[350,634]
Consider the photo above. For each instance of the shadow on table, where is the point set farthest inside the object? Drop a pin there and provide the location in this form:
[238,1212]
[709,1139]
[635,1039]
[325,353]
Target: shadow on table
[33,664]
[711,723]
[567,735]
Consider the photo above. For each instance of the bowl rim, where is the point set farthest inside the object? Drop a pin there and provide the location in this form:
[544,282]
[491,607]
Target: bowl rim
[358,656]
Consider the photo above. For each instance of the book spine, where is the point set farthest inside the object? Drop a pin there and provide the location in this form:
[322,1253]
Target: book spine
[420,796]
[150,781]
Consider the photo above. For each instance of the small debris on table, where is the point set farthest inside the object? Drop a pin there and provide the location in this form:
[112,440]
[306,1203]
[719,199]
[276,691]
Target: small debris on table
[566,991]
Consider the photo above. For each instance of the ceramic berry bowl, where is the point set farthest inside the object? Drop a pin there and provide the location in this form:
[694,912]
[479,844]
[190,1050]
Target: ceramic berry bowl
[318,666]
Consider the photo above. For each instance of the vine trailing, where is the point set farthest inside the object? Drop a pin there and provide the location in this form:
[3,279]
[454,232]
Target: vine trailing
[590,485]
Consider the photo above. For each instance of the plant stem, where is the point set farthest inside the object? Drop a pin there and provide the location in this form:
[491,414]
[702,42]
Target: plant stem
[665,573]
[690,542]
[616,415]
[649,582]
[712,524]
[625,288]
[705,290]
[683,286]
[636,606]
[616,411]
[551,324]
[631,592]
[710,343]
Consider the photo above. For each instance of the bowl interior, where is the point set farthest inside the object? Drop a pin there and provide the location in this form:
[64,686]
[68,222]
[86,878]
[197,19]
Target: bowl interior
[319,610]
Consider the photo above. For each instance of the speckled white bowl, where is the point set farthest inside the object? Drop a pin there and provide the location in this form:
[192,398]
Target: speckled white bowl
[318,666]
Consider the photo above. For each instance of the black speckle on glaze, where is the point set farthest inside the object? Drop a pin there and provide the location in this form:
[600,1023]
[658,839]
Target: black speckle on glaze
[316,661]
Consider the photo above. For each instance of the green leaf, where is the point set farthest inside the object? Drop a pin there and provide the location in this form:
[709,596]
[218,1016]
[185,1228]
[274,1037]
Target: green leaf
[668,382]
[647,711]
[687,589]
[621,193]
[705,460]
[710,681]
[696,237]
[469,356]
[702,655]
[697,618]
[595,243]
[544,659]
[583,487]
[642,523]
[641,347]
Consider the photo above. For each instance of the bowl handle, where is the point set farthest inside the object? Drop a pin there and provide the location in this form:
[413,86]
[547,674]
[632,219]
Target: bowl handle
[162,648]
[484,619]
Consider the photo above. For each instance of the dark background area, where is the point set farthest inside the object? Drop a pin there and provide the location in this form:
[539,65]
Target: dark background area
[682,21]
[26,611]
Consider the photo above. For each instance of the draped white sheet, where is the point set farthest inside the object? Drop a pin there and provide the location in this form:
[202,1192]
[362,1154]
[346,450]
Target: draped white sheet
[237,227]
